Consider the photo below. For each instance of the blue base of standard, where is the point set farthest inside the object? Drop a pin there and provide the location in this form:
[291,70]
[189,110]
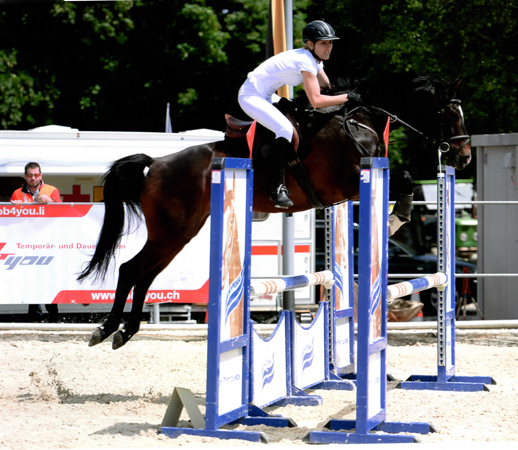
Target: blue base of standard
[454,383]
[253,436]
[335,436]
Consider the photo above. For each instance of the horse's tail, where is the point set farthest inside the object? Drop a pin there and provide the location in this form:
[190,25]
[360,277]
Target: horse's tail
[122,184]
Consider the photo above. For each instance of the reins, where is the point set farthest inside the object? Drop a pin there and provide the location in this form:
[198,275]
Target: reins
[348,120]
[443,145]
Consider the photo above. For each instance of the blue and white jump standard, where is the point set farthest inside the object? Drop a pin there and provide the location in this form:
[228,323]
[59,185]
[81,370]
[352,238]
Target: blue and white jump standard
[446,380]
[228,346]
[245,372]
[372,323]
[340,260]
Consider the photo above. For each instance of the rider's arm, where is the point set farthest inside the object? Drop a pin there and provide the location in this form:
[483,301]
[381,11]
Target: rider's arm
[318,100]
[323,80]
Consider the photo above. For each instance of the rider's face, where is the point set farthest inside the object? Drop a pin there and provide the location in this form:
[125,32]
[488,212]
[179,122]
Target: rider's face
[323,49]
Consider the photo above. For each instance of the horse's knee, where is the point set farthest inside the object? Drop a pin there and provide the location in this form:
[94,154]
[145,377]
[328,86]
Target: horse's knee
[403,208]
[401,182]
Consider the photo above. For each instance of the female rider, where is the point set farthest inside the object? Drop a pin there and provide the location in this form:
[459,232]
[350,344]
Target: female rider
[292,67]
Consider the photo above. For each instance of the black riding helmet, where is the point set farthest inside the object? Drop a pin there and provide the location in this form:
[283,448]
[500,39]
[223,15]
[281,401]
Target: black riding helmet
[318,30]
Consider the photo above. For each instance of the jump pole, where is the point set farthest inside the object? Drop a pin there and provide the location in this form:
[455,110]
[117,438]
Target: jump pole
[372,322]
[262,287]
[446,379]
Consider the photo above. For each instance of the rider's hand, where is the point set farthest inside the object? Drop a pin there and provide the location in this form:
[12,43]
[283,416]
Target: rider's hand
[354,97]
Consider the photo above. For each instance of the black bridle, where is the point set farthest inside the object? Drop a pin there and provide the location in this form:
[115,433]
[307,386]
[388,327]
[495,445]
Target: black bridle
[444,146]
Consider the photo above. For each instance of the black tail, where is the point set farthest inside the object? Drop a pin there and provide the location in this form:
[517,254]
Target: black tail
[122,184]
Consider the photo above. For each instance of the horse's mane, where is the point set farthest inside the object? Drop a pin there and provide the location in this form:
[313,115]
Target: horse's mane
[378,89]
[396,93]
[383,88]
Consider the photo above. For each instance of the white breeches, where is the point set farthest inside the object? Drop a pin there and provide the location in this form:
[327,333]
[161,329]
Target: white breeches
[262,110]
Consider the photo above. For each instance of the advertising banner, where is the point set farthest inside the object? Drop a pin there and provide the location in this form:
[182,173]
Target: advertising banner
[308,358]
[43,248]
[269,379]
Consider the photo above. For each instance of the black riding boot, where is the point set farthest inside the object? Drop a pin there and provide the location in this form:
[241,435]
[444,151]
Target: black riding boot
[277,163]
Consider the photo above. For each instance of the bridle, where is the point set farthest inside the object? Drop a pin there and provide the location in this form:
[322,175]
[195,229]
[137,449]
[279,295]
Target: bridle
[443,145]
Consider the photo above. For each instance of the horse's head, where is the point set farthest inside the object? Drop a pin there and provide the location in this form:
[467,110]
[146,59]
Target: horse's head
[428,107]
[456,141]
[446,129]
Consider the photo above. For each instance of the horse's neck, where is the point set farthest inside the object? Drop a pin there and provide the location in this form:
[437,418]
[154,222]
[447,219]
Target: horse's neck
[373,119]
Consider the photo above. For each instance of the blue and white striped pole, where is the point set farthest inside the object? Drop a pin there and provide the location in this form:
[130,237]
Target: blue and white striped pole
[408,287]
[274,285]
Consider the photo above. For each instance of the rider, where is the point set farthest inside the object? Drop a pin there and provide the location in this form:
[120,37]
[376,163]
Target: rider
[292,67]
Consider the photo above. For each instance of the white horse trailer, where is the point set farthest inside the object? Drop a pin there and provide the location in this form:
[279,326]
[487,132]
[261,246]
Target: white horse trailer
[42,248]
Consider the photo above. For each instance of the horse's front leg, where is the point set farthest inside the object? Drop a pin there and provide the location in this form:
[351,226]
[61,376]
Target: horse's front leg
[402,190]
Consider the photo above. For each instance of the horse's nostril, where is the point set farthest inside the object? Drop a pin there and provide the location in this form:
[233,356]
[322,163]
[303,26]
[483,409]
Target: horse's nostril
[464,162]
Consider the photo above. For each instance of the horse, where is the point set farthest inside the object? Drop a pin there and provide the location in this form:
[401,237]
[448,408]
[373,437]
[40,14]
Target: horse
[173,192]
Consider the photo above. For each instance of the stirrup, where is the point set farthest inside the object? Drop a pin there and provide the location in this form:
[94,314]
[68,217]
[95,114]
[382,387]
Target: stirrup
[280,197]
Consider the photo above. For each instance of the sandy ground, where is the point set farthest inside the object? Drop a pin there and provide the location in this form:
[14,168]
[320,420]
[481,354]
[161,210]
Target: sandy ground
[56,392]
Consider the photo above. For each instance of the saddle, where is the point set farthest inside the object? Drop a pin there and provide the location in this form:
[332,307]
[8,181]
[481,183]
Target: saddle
[237,129]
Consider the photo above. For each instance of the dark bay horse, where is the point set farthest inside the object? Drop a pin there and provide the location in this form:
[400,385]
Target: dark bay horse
[173,192]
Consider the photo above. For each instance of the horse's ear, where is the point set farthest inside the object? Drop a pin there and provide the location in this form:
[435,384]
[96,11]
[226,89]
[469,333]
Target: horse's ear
[454,87]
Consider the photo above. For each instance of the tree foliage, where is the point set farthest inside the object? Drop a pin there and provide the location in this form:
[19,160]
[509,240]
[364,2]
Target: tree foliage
[446,39]
[18,91]
[115,65]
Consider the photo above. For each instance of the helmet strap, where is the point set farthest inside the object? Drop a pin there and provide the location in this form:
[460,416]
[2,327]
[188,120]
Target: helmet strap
[312,51]
[316,57]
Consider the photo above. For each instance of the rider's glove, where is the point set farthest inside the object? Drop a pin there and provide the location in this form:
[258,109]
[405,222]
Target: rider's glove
[354,97]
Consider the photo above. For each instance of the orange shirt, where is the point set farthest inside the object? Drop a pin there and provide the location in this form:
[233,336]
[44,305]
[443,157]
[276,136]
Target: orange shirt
[25,195]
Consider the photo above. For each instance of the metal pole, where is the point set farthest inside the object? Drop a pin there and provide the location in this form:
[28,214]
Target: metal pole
[156,314]
[288,258]
[288,222]
[288,24]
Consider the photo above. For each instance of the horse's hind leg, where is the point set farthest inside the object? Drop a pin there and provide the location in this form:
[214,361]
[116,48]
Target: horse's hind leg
[111,324]
[133,325]
[142,270]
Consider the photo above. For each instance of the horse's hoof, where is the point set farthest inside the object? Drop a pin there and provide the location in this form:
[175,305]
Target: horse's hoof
[101,333]
[119,339]
[96,337]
